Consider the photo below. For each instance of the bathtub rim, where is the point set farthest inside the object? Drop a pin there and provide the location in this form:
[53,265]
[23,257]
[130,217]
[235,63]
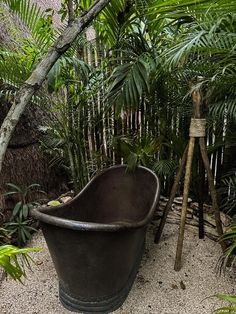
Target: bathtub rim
[40,212]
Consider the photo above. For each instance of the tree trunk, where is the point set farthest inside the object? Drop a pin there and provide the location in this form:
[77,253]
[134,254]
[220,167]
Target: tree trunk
[38,76]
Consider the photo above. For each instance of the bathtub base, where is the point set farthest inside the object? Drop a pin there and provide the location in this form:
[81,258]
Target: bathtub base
[105,305]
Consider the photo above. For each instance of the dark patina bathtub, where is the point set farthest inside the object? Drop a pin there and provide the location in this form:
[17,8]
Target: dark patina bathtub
[97,239]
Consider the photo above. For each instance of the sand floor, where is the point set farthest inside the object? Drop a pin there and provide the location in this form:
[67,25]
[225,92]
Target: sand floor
[158,289]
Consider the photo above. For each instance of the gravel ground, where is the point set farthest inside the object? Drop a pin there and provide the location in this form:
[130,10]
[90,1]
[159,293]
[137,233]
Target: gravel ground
[158,289]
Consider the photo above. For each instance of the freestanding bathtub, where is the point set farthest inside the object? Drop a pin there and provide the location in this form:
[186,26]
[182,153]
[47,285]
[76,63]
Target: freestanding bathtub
[96,240]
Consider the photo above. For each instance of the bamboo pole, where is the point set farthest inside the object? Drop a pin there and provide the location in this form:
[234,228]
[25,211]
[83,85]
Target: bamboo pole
[185,203]
[212,190]
[172,196]
[197,102]
[197,130]
[201,197]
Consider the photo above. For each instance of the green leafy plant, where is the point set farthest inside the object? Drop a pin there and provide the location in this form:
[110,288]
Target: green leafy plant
[23,194]
[19,227]
[14,260]
[138,151]
[19,230]
[73,85]
[4,236]
[231,309]
[228,194]
[229,256]
[16,64]
[230,253]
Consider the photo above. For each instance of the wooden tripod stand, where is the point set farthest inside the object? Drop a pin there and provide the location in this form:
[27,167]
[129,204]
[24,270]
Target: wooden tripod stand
[196,132]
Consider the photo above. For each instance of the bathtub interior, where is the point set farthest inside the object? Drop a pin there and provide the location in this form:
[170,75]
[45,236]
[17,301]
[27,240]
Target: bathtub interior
[115,196]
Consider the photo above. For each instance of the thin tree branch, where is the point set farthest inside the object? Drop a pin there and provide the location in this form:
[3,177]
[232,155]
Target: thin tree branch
[38,76]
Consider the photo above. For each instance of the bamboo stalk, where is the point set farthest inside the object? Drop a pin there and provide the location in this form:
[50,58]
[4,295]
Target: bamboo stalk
[117,132]
[219,165]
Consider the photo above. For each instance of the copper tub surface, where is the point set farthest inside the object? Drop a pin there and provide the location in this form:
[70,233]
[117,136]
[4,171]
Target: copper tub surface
[96,240]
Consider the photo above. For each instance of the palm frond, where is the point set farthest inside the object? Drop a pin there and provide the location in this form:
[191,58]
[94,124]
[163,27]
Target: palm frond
[224,108]
[114,21]
[176,9]
[38,22]
[12,71]
[131,78]
[16,64]
[228,193]
[9,260]
[230,309]
[128,82]
[166,168]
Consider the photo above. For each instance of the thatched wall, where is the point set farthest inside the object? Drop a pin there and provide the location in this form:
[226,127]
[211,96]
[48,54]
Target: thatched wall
[25,163]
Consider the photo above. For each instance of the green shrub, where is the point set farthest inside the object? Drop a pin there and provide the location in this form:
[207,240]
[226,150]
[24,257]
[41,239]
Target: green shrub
[19,227]
[20,230]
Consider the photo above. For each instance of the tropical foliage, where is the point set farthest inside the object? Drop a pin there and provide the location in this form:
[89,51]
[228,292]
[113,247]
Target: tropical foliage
[230,309]
[113,98]
[124,96]
[19,229]
[23,193]
[14,260]
[16,64]
[229,254]
[229,257]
